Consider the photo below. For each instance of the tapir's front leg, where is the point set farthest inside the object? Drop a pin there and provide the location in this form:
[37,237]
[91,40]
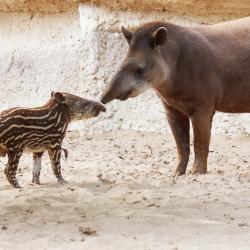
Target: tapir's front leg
[202,123]
[37,164]
[179,124]
[55,158]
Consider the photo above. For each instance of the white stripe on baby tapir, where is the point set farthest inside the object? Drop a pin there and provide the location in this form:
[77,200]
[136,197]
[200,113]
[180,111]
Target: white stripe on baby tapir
[37,130]
[63,129]
[31,118]
[7,113]
[28,135]
[25,126]
[28,117]
[58,120]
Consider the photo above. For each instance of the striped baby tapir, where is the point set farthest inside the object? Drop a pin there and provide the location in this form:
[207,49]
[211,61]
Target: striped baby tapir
[41,129]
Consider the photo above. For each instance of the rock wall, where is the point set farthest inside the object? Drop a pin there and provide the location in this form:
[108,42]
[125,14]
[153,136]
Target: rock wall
[42,6]
[77,47]
[39,53]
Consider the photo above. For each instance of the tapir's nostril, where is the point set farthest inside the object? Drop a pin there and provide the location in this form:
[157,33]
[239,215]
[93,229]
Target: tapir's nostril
[102,108]
[98,107]
[103,100]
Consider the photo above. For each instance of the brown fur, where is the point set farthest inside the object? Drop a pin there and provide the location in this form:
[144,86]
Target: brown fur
[196,71]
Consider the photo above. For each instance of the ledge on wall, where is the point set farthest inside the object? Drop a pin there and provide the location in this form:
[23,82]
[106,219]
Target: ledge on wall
[44,6]
[209,9]
[218,9]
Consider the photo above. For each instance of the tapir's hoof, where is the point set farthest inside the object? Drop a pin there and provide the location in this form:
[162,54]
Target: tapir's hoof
[17,186]
[36,182]
[36,179]
[62,181]
[178,172]
[198,171]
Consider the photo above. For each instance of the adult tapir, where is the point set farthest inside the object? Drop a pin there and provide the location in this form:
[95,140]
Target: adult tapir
[195,71]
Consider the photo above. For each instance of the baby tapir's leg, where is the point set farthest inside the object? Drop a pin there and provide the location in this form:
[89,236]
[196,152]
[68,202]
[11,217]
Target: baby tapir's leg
[11,168]
[66,153]
[37,164]
[55,158]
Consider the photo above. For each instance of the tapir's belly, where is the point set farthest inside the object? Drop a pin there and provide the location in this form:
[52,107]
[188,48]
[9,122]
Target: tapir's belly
[235,100]
[37,149]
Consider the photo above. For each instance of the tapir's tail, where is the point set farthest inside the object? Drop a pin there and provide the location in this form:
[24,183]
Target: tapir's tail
[66,153]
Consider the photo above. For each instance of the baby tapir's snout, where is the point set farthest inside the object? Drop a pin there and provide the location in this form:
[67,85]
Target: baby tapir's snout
[93,109]
[98,107]
[82,108]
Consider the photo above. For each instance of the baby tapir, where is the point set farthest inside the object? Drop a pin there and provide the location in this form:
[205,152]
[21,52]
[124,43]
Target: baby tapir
[41,129]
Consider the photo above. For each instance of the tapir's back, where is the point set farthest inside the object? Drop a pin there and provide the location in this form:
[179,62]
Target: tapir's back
[230,44]
[233,36]
[21,127]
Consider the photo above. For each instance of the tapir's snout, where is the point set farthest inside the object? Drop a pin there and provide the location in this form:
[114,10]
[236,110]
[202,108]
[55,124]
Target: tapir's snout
[82,108]
[115,91]
[105,99]
[124,84]
[115,88]
[93,109]
[107,96]
[98,107]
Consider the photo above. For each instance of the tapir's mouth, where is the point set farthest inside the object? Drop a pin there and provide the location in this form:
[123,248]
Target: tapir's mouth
[122,97]
[125,95]
[90,111]
[98,109]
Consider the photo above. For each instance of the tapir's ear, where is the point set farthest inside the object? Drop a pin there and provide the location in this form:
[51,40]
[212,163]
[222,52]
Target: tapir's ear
[59,96]
[159,37]
[52,93]
[128,34]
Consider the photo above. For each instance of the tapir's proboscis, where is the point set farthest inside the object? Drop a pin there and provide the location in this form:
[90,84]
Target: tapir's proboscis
[195,71]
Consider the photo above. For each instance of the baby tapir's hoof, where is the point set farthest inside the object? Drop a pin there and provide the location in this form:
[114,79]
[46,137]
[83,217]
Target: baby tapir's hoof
[62,181]
[11,177]
[36,180]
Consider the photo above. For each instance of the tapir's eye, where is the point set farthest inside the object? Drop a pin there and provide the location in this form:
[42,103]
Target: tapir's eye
[139,72]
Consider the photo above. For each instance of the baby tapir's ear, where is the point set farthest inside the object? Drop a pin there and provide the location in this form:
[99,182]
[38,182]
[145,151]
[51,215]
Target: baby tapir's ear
[57,95]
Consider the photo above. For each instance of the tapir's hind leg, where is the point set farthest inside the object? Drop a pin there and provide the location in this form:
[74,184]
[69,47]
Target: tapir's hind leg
[202,123]
[37,164]
[11,168]
[179,124]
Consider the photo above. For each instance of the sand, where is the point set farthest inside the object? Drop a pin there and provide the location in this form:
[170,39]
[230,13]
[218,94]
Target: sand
[120,196]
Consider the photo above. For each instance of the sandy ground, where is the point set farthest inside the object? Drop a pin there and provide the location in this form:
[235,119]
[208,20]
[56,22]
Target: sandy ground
[120,196]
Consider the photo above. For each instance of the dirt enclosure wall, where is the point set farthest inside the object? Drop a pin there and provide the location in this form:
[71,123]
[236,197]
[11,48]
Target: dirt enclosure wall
[76,46]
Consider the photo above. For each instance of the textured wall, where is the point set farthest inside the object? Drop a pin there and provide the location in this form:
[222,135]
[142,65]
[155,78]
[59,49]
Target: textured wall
[78,51]
[103,50]
[44,6]
[39,53]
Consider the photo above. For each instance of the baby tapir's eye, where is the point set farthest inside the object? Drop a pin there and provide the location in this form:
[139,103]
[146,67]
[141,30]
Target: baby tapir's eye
[139,72]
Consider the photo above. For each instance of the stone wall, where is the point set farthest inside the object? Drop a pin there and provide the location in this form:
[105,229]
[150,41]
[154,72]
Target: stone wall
[63,45]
